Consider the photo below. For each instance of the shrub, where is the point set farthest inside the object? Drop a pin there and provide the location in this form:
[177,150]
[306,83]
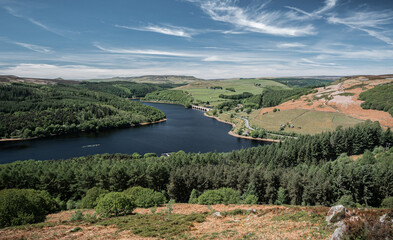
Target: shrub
[368,227]
[71,204]
[387,202]
[145,197]
[220,196]
[77,216]
[193,197]
[23,206]
[149,155]
[282,196]
[347,201]
[114,204]
[250,199]
[91,197]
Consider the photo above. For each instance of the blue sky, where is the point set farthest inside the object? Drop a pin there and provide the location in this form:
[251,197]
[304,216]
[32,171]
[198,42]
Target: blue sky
[205,38]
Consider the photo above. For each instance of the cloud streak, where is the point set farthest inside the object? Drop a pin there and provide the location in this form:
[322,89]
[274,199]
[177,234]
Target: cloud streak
[252,20]
[371,22]
[35,48]
[167,30]
[290,45]
[14,13]
[144,52]
[329,4]
[32,47]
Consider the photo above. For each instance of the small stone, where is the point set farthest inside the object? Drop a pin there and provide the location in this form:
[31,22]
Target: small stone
[217,214]
[76,229]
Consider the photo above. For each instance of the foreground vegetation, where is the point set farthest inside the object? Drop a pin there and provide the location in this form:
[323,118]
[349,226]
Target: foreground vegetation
[32,110]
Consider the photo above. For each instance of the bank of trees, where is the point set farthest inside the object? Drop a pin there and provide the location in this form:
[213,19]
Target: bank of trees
[125,89]
[43,110]
[311,170]
[170,96]
[378,98]
[236,96]
[273,98]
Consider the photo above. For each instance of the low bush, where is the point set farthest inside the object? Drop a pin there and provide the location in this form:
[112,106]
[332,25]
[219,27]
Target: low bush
[193,197]
[145,197]
[114,204]
[368,227]
[24,206]
[220,196]
[251,199]
[387,202]
[347,201]
[90,199]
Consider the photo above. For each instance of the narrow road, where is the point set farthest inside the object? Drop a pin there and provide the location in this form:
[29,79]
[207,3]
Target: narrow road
[246,123]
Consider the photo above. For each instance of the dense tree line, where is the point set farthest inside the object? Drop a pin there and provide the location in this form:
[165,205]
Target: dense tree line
[378,98]
[303,82]
[126,89]
[236,96]
[170,96]
[30,110]
[310,170]
[273,98]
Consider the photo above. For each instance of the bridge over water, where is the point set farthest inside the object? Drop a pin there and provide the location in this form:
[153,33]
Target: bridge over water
[205,109]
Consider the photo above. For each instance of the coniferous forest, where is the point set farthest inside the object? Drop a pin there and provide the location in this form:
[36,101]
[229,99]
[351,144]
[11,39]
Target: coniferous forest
[310,170]
[32,110]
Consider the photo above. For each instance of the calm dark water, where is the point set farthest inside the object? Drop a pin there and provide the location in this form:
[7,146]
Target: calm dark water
[185,129]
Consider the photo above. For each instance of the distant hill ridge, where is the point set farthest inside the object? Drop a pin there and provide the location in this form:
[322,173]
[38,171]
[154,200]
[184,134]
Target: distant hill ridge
[176,79]
[44,81]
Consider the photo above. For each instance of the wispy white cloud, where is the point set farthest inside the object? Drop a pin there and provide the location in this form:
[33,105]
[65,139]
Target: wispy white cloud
[145,52]
[35,48]
[251,19]
[329,4]
[306,61]
[14,13]
[290,45]
[167,30]
[370,22]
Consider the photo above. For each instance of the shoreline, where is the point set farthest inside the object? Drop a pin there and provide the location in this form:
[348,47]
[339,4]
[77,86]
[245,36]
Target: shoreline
[240,136]
[16,139]
[148,123]
[25,139]
[162,102]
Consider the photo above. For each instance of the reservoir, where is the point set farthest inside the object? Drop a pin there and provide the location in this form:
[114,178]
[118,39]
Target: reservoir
[185,129]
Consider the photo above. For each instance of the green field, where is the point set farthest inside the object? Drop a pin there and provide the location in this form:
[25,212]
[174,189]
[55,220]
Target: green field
[202,92]
[304,121]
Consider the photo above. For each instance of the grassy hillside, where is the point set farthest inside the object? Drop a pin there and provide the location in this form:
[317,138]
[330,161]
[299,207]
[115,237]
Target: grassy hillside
[210,91]
[303,121]
[156,79]
[170,96]
[31,110]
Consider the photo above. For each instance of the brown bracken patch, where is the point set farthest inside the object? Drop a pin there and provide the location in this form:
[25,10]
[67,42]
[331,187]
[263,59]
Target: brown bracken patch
[341,98]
